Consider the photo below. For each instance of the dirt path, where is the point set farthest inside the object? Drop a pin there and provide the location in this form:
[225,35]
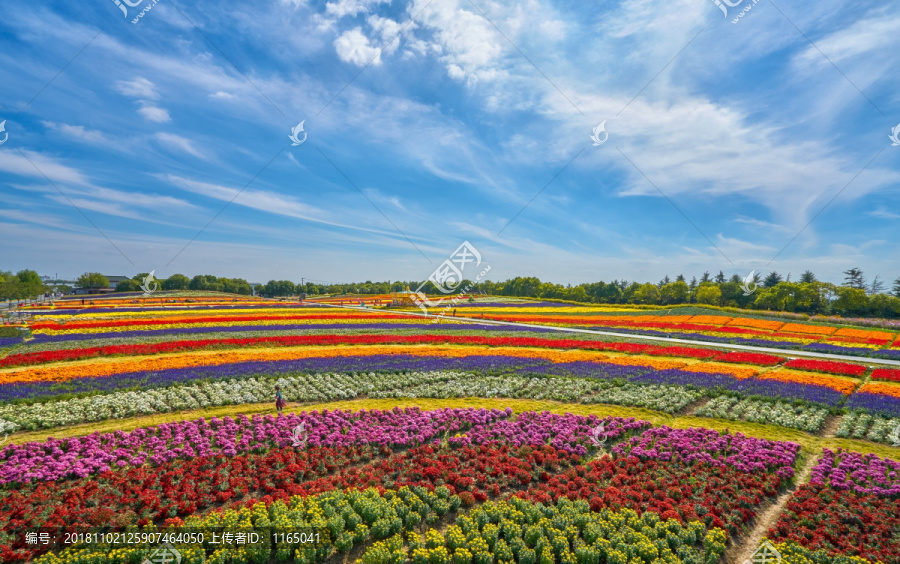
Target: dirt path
[766,518]
[691,408]
[832,422]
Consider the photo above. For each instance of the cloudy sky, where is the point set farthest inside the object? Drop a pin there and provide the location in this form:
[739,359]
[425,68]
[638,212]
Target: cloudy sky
[161,141]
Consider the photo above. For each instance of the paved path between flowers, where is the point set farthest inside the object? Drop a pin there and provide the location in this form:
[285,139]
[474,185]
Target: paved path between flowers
[781,352]
[765,519]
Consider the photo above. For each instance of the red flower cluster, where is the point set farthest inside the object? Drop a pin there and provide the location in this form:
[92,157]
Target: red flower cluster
[841,522]
[886,374]
[182,487]
[720,497]
[843,368]
[751,358]
[482,471]
[185,487]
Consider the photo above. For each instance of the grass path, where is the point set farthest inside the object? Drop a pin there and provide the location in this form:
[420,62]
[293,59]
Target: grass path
[812,444]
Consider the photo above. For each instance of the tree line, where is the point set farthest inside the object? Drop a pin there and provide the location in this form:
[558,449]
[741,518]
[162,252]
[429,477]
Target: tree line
[855,296]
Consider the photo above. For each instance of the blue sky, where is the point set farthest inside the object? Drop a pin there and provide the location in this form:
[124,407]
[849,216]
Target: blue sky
[725,139]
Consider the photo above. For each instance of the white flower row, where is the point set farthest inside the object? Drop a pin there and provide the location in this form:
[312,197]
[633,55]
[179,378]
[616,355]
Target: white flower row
[325,387]
[582,390]
[875,428]
[316,387]
[783,414]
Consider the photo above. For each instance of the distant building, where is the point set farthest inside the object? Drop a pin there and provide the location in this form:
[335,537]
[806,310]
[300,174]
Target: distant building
[113,280]
[81,291]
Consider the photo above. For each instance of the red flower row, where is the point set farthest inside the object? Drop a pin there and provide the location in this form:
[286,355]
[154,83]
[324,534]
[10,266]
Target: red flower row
[843,368]
[891,374]
[751,358]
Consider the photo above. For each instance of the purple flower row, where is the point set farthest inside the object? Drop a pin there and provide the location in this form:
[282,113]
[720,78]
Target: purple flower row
[586,369]
[875,403]
[689,446]
[571,433]
[863,473]
[51,338]
[55,459]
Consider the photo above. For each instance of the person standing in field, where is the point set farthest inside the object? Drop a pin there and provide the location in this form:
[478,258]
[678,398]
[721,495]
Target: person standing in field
[279,399]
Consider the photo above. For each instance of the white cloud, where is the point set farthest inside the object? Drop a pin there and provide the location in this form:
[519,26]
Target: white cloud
[76,131]
[154,113]
[343,8]
[138,88]
[171,140]
[883,213]
[470,47]
[37,165]
[354,47]
[222,95]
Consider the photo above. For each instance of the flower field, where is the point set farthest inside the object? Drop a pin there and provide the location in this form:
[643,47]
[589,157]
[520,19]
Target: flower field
[442,485]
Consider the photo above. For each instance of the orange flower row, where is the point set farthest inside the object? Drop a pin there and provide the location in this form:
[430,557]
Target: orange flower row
[882,388]
[807,329]
[712,319]
[863,334]
[842,385]
[756,323]
[95,368]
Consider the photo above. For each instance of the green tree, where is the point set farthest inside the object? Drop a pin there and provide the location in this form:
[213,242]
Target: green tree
[808,277]
[131,285]
[884,306]
[276,288]
[771,280]
[851,301]
[30,284]
[92,280]
[877,286]
[176,282]
[236,286]
[206,282]
[708,293]
[720,278]
[853,278]
[896,289]
[674,293]
[646,294]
